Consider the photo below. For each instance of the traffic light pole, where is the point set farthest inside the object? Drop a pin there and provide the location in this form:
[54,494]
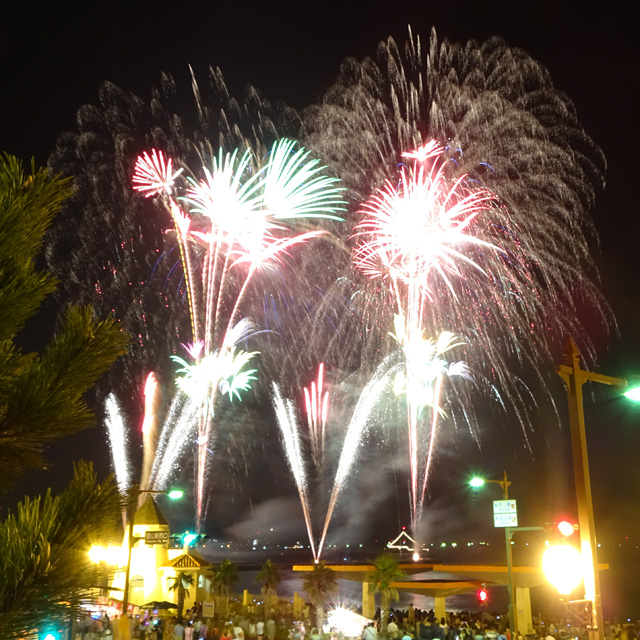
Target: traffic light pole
[574,377]
[512,617]
[508,534]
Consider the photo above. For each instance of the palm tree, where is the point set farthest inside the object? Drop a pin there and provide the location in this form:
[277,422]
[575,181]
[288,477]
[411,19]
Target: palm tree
[386,572]
[270,578]
[223,578]
[181,583]
[318,585]
[41,396]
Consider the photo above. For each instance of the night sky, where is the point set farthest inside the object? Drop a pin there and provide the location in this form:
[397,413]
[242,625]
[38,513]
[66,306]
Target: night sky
[53,60]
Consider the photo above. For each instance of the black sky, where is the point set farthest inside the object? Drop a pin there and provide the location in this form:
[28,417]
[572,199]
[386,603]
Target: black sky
[53,60]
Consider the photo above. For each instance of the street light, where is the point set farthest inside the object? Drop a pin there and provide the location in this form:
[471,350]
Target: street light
[562,565]
[477,482]
[574,377]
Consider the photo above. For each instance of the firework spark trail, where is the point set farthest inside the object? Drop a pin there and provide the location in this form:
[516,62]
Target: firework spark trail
[242,207]
[353,438]
[177,434]
[162,452]
[317,408]
[149,428]
[423,389]
[119,441]
[289,427]
[414,235]
[288,424]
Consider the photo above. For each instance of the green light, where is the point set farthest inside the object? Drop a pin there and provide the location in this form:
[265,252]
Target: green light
[476,482]
[188,538]
[175,494]
[633,394]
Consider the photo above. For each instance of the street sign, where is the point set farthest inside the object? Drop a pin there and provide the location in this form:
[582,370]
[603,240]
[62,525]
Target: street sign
[505,519]
[505,513]
[156,537]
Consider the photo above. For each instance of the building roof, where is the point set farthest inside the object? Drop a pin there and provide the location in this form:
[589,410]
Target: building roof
[189,560]
[149,513]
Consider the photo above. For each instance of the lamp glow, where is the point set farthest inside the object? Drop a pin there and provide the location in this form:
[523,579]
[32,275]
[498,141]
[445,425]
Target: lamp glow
[562,565]
[175,494]
[96,554]
[476,482]
[188,538]
[633,394]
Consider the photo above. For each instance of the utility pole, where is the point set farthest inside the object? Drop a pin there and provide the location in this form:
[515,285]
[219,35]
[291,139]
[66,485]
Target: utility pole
[574,377]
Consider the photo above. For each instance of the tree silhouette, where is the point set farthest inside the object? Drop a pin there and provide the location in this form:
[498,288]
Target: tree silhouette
[270,578]
[181,583]
[319,584]
[386,572]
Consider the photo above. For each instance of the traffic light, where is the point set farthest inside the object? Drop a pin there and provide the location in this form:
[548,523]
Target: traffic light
[483,595]
[51,633]
[188,538]
[561,530]
[192,539]
[566,528]
[561,561]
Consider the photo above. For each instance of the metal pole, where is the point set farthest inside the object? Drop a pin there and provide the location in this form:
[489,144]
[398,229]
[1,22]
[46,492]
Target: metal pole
[507,542]
[574,377]
[133,504]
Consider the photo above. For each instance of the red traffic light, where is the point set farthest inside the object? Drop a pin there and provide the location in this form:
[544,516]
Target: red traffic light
[566,528]
[483,595]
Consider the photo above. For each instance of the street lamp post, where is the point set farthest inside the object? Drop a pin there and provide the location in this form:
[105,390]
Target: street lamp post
[504,485]
[574,377]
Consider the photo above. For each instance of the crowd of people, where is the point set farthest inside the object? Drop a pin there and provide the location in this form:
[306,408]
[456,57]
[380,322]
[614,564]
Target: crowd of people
[403,624]
[414,624]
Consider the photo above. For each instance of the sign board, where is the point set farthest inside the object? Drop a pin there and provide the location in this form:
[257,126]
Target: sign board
[505,513]
[207,609]
[156,537]
[505,519]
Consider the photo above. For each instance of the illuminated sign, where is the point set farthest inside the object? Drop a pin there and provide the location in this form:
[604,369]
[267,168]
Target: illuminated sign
[156,537]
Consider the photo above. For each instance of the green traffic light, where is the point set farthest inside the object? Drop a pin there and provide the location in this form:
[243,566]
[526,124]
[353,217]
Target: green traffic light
[188,538]
[633,394]
[175,494]
[476,482]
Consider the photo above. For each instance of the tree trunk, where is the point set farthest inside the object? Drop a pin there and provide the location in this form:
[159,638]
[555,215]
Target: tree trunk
[384,613]
[319,617]
[180,602]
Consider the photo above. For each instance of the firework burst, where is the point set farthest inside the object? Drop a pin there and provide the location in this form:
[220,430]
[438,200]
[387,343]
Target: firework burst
[501,123]
[238,223]
[421,236]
